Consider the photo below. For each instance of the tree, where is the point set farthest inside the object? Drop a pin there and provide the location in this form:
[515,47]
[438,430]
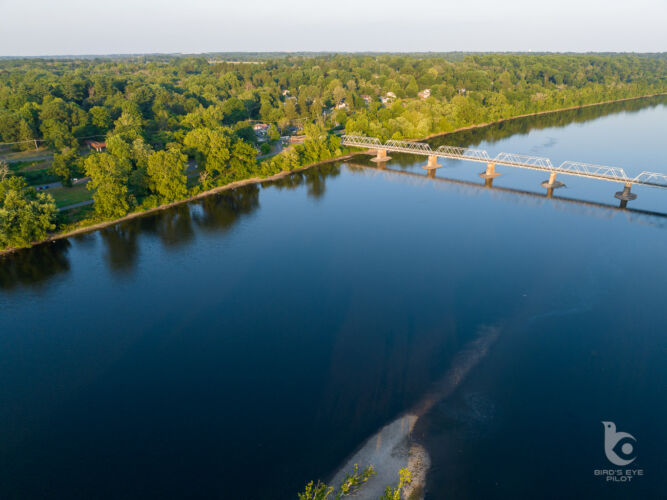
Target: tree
[395,494]
[109,177]
[339,94]
[25,215]
[211,148]
[129,124]
[100,118]
[166,174]
[273,133]
[4,169]
[243,159]
[65,164]
[350,485]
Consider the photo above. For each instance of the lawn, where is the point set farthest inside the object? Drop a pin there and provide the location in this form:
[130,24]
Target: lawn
[65,196]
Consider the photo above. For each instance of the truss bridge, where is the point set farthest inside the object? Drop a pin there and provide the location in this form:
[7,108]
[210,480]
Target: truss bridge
[571,168]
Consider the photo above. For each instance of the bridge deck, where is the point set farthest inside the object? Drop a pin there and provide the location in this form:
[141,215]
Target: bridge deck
[578,169]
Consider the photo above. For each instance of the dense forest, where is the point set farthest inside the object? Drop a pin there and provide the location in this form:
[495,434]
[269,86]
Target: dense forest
[175,126]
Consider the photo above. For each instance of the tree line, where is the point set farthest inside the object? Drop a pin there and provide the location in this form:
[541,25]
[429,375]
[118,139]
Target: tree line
[175,126]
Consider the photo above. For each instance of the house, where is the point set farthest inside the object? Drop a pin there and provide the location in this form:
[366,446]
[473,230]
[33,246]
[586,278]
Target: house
[96,145]
[285,93]
[260,128]
[424,94]
[388,98]
[341,105]
[462,91]
[367,99]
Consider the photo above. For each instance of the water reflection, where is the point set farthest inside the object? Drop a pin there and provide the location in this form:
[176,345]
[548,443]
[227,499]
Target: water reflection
[121,245]
[314,179]
[173,226]
[593,208]
[34,266]
[218,213]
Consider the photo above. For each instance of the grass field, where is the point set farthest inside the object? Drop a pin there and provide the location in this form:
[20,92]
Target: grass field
[65,196]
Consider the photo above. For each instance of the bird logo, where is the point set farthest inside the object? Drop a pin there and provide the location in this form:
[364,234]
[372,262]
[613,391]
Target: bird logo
[618,446]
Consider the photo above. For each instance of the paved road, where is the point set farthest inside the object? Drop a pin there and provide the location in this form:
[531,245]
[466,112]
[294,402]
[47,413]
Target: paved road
[275,149]
[30,158]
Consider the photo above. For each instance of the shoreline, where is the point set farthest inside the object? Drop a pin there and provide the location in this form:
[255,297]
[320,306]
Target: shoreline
[537,113]
[256,180]
[203,194]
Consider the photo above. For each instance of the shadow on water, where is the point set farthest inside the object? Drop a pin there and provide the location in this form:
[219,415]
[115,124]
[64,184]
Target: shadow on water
[121,245]
[314,179]
[219,213]
[34,266]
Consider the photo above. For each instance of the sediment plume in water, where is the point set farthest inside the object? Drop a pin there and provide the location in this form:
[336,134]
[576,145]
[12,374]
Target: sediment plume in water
[391,449]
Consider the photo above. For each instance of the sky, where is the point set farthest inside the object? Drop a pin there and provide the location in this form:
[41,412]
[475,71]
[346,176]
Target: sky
[69,27]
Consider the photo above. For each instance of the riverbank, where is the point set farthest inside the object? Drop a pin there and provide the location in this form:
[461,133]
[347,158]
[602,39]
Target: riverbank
[203,194]
[255,180]
[538,113]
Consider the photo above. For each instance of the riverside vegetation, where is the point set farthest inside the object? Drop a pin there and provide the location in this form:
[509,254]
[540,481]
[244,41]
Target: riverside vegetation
[176,126]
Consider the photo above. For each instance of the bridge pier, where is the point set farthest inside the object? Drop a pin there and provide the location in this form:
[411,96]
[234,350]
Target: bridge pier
[381,156]
[490,172]
[552,184]
[432,163]
[625,196]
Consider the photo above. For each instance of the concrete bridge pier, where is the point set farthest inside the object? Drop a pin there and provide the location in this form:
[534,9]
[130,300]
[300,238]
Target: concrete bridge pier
[432,166]
[552,184]
[381,156]
[432,163]
[625,196]
[490,172]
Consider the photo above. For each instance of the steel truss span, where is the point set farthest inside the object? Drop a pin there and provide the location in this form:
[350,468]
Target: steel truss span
[601,172]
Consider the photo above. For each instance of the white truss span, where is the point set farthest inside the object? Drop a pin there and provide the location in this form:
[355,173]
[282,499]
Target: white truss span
[602,172]
[523,161]
[462,153]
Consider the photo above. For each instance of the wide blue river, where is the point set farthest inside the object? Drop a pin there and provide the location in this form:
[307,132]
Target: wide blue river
[239,346]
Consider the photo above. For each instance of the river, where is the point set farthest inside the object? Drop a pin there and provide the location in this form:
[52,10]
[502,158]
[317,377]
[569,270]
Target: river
[246,343]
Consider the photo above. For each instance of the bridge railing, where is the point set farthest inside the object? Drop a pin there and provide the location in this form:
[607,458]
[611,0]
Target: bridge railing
[523,161]
[408,147]
[651,178]
[361,141]
[591,170]
[463,153]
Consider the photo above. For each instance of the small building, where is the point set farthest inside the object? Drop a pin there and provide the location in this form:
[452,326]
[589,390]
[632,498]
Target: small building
[297,139]
[367,99]
[285,93]
[391,95]
[462,91]
[341,105]
[260,128]
[96,145]
[424,94]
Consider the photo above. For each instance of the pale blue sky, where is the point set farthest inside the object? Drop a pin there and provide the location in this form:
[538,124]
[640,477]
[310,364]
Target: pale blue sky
[56,27]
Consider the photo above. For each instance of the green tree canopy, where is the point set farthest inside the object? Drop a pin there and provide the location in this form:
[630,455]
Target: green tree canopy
[25,215]
[211,148]
[109,177]
[166,174]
